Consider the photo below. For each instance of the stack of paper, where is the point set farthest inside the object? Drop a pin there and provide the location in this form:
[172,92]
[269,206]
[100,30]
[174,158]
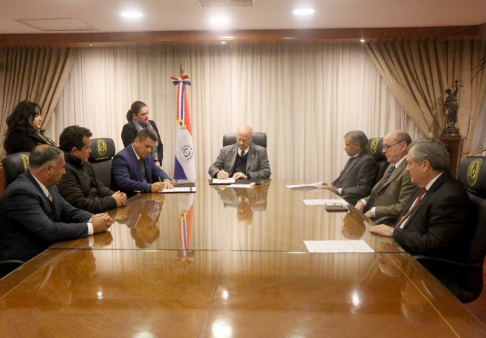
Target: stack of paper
[326,202]
[224,181]
[315,185]
[178,190]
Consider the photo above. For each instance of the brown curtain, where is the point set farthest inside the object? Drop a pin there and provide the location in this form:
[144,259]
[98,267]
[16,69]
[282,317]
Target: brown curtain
[33,74]
[418,73]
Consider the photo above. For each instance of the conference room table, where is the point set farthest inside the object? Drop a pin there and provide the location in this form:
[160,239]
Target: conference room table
[225,262]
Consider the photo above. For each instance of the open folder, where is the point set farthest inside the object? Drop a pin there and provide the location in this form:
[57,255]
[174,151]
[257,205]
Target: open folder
[180,188]
[228,181]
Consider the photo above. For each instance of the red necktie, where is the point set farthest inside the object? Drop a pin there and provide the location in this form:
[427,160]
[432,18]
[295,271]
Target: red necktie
[417,201]
[140,160]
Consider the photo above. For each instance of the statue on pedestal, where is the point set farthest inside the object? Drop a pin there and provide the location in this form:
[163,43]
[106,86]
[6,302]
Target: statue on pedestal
[451,107]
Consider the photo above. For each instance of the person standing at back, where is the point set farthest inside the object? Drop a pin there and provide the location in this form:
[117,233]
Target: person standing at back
[24,131]
[138,119]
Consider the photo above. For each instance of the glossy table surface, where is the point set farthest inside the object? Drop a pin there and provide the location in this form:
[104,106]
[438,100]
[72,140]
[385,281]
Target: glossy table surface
[269,217]
[233,279]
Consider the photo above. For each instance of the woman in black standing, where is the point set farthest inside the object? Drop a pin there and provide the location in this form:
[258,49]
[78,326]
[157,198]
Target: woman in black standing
[24,131]
[138,118]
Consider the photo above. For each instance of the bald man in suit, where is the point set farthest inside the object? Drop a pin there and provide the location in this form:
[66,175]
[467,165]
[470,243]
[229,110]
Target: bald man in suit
[242,160]
[392,193]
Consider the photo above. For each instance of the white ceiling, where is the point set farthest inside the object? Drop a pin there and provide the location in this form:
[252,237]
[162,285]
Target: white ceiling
[181,15]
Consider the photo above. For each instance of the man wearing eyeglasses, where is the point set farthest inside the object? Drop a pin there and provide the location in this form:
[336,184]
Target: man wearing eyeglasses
[392,193]
[243,160]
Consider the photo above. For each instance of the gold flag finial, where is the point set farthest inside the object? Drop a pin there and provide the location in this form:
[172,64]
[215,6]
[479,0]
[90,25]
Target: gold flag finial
[182,71]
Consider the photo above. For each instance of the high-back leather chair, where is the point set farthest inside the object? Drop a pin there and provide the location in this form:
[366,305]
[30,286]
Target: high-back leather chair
[15,165]
[259,139]
[102,152]
[375,149]
[465,279]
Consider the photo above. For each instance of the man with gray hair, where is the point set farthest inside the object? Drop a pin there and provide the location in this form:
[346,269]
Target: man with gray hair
[435,222]
[32,213]
[242,160]
[358,176]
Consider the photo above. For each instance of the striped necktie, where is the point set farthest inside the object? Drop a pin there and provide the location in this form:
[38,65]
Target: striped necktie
[372,201]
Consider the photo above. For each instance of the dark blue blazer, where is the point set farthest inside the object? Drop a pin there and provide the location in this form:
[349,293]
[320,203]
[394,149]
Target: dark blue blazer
[126,176]
[27,223]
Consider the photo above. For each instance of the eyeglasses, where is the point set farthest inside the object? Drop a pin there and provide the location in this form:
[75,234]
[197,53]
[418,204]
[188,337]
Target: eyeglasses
[389,146]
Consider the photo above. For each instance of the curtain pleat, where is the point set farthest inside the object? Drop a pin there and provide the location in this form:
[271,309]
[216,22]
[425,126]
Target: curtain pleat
[304,96]
[33,74]
[418,73]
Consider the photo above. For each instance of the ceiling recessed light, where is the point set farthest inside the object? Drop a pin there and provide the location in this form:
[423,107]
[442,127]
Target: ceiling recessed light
[362,40]
[304,11]
[220,20]
[227,37]
[131,15]
[223,42]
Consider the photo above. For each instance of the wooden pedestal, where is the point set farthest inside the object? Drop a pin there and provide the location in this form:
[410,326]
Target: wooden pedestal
[454,146]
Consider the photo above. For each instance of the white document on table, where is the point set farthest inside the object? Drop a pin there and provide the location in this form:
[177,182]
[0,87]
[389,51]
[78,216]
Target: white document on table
[242,186]
[295,186]
[326,202]
[337,246]
[176,190]
[225,181]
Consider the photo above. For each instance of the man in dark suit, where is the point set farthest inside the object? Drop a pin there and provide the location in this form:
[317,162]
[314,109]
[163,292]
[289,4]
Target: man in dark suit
[435,222]
[241,160]
[358,176]
[392,193]
[32,213]
[133,169]
[79,186]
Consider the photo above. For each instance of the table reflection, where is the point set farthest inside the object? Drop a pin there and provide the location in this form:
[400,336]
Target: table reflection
[268,217]
[245,201]
[141,216]
[127,292]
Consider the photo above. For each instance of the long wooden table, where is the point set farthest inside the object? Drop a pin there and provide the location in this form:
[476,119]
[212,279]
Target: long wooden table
[239,270]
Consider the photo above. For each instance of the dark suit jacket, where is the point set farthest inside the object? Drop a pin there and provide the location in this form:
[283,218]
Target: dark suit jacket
[23,139]
[125,174]
[358,179]
[129,132]
[439,226]
[257,165]
[27,225]
[395,194]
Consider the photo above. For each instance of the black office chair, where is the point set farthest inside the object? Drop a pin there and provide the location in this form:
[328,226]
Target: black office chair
[259,139]
[465,280]
[9,265]
[15,165]
[375,149]
[102,152]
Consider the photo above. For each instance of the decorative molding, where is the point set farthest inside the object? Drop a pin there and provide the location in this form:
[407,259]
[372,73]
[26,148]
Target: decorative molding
[347,35]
